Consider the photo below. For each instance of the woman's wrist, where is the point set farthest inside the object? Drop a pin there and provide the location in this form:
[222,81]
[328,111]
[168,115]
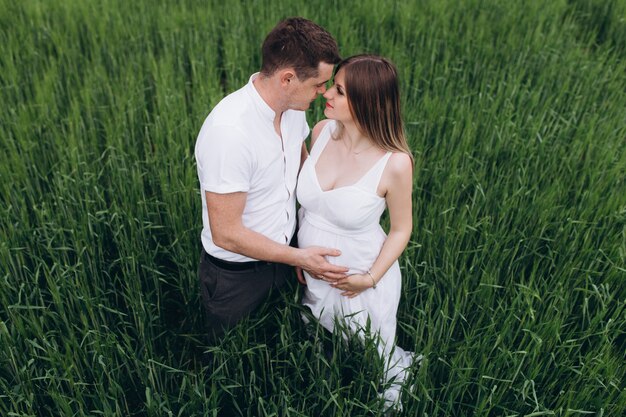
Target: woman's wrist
[369,273]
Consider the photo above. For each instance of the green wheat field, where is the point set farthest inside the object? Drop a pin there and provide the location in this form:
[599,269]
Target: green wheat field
[514,281]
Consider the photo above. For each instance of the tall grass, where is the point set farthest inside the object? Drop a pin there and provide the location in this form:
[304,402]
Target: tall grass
[514,280]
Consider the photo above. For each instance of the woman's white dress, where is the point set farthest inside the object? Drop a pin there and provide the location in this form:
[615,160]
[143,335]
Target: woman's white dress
[348,218]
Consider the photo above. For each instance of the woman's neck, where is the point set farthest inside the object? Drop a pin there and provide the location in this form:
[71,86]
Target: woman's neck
[355,141]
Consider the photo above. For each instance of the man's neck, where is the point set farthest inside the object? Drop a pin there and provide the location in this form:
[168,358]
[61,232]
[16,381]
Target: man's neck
[269,92]
[267,89]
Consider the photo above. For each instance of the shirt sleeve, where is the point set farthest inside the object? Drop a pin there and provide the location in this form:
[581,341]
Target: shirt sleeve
[224,160]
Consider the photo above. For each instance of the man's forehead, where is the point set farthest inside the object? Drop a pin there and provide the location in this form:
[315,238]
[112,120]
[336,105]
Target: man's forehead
[326,68]
[325,71]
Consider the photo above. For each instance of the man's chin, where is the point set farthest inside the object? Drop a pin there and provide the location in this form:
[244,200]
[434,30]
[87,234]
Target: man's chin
[300,106]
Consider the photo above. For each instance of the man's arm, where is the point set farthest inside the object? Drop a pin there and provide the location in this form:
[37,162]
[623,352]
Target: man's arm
[228,232]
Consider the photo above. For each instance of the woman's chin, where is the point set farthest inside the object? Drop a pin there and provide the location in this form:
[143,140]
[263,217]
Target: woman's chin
[328,114]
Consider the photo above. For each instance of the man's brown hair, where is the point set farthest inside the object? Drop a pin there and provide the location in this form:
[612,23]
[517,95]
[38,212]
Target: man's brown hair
[300,44]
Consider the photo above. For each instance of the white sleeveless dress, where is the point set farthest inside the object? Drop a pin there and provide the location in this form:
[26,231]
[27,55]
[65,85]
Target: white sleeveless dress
[348,218]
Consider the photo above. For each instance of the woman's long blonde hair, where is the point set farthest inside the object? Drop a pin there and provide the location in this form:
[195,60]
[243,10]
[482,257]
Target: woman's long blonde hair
[371,84]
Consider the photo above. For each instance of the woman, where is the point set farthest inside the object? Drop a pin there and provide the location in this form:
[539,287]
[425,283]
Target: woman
[359,163]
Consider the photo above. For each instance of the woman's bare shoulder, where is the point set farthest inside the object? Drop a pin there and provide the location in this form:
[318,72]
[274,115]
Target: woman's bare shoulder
[317,129]
[398,175]
[400,164]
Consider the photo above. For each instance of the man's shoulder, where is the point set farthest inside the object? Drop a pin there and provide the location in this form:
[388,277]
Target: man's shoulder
[232,108]
[225,124]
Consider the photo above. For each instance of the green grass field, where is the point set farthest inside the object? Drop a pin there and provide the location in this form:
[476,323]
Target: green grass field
[514,279]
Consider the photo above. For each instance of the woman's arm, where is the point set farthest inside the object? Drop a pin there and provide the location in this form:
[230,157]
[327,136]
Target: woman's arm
[396,185]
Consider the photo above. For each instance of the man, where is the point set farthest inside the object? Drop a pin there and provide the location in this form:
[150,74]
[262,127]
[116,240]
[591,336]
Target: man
[248,155]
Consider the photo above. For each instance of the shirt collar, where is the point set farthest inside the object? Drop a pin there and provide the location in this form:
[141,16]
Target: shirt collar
[264,108]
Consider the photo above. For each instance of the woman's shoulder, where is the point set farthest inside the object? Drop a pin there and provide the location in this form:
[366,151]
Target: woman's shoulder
[399,164]
[318,128]
[398,174]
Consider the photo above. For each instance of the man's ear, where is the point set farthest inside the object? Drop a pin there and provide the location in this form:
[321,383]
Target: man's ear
[287,76]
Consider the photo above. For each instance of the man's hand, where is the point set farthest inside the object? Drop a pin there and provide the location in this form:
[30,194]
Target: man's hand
[313,260]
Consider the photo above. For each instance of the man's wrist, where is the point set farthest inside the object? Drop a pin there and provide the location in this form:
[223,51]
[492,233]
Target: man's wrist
[294,257]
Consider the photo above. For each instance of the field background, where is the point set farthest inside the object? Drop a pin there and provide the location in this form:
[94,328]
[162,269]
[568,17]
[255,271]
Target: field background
[515,277]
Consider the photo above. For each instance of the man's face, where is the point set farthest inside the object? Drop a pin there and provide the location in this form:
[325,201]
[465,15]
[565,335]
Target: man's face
[304,92]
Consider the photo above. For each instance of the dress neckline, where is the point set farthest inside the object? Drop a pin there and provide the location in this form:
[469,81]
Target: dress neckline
[369,170]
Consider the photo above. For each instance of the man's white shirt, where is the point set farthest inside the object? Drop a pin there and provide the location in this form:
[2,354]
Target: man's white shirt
[238,150]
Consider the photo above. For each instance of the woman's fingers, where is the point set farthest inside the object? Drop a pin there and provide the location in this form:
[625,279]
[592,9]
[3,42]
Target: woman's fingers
[332,276]
[300,276]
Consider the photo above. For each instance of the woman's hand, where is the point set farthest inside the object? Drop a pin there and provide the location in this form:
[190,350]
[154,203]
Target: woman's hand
[353,285]
[300,276]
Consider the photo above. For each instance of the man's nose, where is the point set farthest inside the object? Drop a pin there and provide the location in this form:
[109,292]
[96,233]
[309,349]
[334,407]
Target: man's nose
[322,90]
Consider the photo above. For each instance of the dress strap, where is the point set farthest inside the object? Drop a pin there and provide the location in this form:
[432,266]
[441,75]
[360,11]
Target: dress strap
[322,140]
[372,178]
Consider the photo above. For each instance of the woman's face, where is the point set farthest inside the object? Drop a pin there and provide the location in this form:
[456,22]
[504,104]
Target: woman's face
[337,107]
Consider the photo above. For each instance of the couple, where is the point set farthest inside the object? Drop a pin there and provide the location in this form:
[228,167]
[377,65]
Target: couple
[250,156]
